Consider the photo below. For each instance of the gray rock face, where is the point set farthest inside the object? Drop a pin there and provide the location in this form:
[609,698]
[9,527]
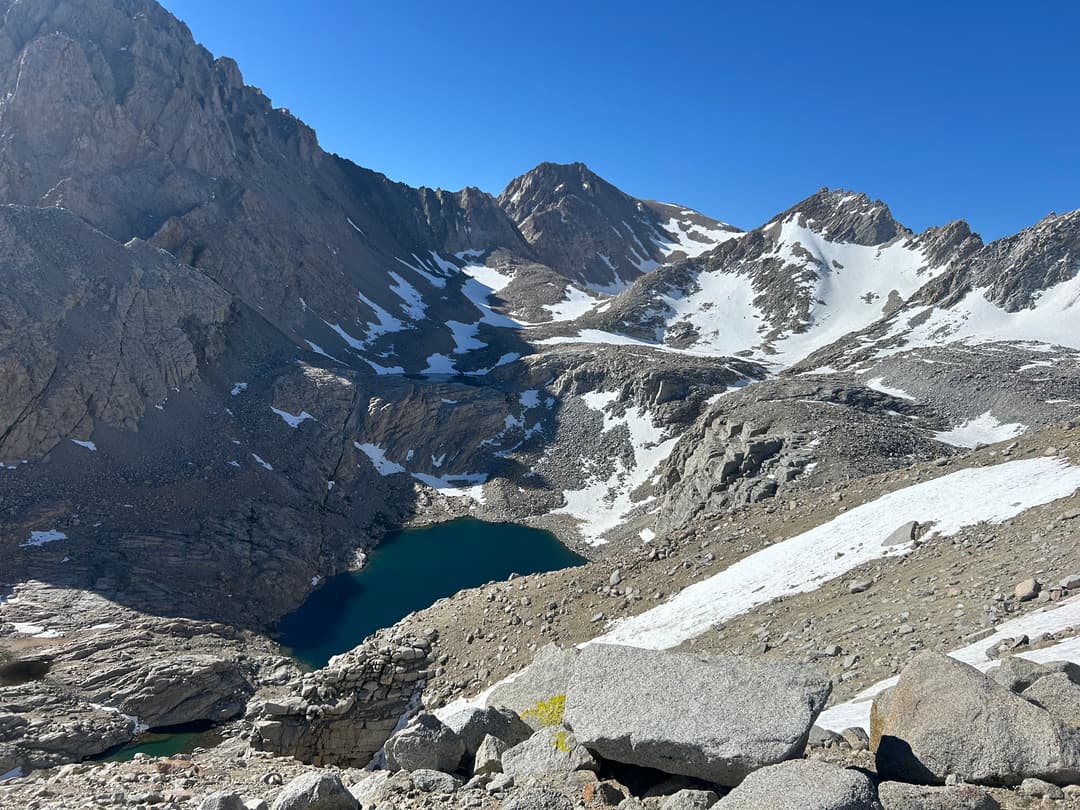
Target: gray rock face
[689,800]
[315,791]
[222,801]
[42,726]
[426,743]
[1059,695]
[342,714]
[716,719]
[900,796]
[546,677]
[96,332]
[589,230]
[944,717]
[802,785]
[474,724]
[434,781]
[765,441]
[551,750]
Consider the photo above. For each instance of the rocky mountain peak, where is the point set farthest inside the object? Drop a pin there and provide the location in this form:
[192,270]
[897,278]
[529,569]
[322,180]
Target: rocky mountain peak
[845,216]
[552,184]
[597,235]
[1015,269]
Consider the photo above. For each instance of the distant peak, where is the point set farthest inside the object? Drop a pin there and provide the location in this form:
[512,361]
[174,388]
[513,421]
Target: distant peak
[843,215]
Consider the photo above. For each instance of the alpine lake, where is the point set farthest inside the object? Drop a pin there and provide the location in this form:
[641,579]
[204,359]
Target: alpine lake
[410,570]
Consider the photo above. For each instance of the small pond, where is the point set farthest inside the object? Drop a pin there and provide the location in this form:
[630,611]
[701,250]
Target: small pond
[165,742]
[409,571]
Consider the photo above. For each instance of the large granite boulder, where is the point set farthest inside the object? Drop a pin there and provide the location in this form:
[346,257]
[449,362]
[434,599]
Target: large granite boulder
[474,723]
[716,719]
[1059,695]
[222,801]
[945,718]
[1017,674]
[550,750]
[315,791]
[803,785]
[426,743]
[546,677]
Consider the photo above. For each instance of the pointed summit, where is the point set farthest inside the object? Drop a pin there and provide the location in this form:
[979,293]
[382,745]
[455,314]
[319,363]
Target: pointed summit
[840,215]
[593,233]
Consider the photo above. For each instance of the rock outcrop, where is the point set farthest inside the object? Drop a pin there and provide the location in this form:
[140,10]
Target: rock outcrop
[716,719]
[344,713]
[945,718]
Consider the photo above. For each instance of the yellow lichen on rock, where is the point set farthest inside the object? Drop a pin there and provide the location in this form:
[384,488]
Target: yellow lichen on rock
[547,712]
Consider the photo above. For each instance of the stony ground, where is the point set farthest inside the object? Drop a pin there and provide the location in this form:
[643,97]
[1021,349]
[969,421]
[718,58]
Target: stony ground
[938,597]
[181,782]
[935,598]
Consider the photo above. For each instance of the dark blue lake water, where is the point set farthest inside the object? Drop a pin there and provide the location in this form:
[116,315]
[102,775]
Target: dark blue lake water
[407,572]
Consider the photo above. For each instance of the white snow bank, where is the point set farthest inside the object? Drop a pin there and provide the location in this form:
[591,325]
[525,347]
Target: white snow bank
[604,503]
[35,630]
[293,421]
[574,304]
[878,384]
[457,485]
[383,465]
[804,562]
[262,462]
[856,712]
[487,276]
[984,429]
[41,538]
[88,445]
[1052,320]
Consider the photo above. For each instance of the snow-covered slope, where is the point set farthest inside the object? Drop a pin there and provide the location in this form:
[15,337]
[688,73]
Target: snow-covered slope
[830,266]
[802,563]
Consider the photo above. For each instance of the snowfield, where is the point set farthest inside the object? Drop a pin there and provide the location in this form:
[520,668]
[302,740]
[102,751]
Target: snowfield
[804,562]
[1054,320]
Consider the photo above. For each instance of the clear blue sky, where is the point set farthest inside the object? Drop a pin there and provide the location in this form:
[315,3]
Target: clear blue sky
[945,110]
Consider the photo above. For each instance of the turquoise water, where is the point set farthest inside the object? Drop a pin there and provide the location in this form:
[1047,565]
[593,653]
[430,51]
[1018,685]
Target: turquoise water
[409,571]
[165,742]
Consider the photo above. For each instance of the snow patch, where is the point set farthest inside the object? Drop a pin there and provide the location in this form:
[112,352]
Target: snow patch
[575,303]
[984,429]
[88,445]
[878,384]
[264,464]
[604,503]
[802,563]
[383,465]
[41,538]
[291,420]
